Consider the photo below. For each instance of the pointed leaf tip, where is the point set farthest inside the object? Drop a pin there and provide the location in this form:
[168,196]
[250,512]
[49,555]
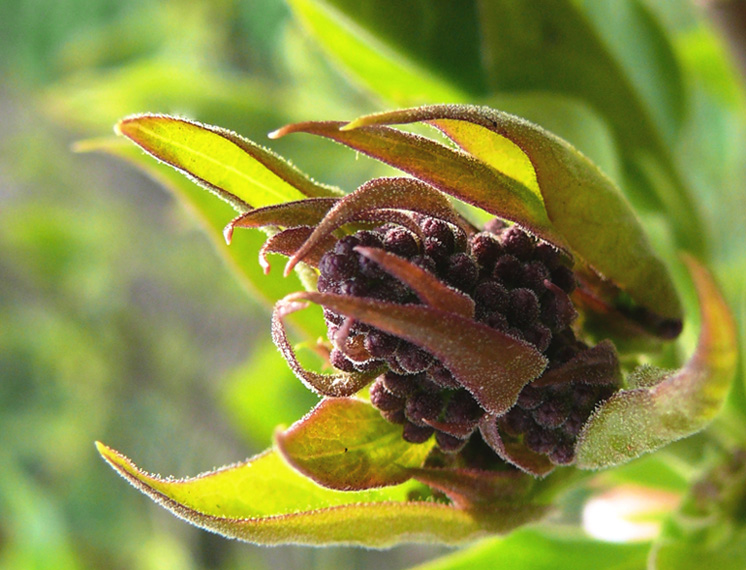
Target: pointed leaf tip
[636,421]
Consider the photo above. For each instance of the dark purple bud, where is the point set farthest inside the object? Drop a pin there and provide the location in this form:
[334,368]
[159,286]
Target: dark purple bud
[530,397]
[369,238]
[518,421]
[449,443]
[508,270]
[346,245]
[416,434]
[338,359]
[557,310]
[584,396]
[486,249]
[517,242]
[413,359]
[354,287]
[564,278]
[432,228]
[383,399]
[534,274]
[574,423]
[538,335]
[380,344]
[425,262]
[399,385]
[497,321]
[337,267]
[400,242]
[396,417]
[563,453]
[552,413]
[423,407]
[461,271]
[440,375]
[462,408]
[524,307]
[547,255]
[492,296]
[540,440]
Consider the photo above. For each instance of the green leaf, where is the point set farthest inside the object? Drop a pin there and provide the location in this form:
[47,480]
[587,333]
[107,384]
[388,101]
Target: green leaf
[239,171]
[212,215]
[492,365]
[636,421]
[531,549]
[346,444]
[579,206]
[453,172]
[347,32]
[264,501]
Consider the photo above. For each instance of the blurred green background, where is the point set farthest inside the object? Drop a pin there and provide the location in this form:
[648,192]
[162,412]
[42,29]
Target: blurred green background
[117,320]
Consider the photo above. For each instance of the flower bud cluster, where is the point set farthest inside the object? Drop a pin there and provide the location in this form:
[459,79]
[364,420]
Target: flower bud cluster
[519,286]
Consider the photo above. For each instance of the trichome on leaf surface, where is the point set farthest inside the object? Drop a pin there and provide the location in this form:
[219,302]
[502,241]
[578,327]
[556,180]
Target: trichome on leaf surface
[475,372]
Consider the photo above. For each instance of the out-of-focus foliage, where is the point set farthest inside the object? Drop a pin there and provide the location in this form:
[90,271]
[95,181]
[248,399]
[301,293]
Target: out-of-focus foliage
[117,322]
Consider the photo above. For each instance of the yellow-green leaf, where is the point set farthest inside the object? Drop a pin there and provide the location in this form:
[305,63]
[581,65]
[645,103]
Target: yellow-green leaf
[584,207]
[346,444]
[639,420]
[264,501]
[239,171]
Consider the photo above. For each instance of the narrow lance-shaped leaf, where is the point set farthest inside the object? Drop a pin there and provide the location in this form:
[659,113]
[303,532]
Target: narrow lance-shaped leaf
[636,421]
[236,169]
[584,206]
[449,170]
[346,444]
[307,212]
[263,501]
[394,193]
[492,365]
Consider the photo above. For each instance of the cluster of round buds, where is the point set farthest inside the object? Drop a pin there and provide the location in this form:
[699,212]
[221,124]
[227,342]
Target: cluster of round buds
[519,286]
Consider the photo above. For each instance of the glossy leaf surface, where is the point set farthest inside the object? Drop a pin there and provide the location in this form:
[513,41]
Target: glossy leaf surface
[346,444]
[264,501]
[639,420]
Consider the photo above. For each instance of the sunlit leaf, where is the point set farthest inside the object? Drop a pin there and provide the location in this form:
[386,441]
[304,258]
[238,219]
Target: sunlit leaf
[451,171]
[583,205]
[492,365]
[346,444]
[237,170]
[264,501]
[636,421]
